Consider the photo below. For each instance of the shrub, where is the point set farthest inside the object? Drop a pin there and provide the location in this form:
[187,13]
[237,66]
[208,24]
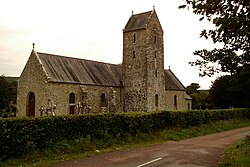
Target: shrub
[21,135]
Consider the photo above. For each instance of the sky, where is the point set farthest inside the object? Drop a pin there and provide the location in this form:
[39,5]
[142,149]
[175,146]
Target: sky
[93,30]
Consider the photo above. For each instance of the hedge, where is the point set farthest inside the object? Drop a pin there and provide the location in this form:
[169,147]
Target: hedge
[21,135]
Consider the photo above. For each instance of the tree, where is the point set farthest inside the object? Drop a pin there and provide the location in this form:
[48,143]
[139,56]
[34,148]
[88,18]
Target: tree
[231,19]
[4,92]
[200,97]
[231,91]
[8,94]
[193,88]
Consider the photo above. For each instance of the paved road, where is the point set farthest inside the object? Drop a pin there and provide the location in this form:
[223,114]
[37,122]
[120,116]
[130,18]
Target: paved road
[204,151]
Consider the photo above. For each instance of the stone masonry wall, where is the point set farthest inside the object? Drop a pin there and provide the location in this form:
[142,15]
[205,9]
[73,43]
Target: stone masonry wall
[134,71]
[33,79]
[182,103]
[143,68]
[58,94]
[155,65]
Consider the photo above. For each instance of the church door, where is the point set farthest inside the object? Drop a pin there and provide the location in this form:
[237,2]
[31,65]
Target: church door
[31,104]
[72,110]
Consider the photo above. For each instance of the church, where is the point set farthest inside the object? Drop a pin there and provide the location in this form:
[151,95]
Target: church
[58,85]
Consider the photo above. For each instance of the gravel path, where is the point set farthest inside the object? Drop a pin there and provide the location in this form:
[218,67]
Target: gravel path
[204,151]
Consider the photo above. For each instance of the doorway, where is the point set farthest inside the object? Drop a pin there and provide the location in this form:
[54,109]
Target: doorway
[31,104]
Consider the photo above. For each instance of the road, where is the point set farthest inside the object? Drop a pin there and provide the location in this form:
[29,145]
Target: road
[204,151]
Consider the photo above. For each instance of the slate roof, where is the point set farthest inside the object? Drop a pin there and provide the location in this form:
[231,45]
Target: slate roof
[79,71]
[137,21]
[172,82]
[63,69]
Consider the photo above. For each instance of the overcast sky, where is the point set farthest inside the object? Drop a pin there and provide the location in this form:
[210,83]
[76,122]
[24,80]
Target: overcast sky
[93,30]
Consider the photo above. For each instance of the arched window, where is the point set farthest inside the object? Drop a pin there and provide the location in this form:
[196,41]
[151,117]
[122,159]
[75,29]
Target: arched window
[31,98]
[72,100]
[103,100]
[156,100]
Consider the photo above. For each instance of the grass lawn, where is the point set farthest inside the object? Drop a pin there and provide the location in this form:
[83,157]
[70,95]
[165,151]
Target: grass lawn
[237,155]
[84,147]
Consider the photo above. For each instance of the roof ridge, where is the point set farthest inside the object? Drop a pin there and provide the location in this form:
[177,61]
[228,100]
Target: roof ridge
[138,21]
[142,13]
[67,57]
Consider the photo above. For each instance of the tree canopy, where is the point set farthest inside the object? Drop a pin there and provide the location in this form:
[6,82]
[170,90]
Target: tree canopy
[4,92]
[193,88]
[8,92]
[201,98]
[230,91]
[231,20]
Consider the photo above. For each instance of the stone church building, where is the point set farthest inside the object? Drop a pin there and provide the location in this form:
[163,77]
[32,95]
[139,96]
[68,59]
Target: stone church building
[53,84]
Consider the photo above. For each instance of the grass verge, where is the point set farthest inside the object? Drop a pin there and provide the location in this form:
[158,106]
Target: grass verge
[85,147]
[237,155]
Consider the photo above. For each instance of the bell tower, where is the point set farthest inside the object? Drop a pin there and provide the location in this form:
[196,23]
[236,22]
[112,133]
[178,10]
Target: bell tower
[143,63]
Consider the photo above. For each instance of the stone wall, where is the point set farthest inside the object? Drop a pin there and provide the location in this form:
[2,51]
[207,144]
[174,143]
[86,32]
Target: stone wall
[182,103]
[33,79]
[93,96]
[143,68]
[134,71]
[155,65]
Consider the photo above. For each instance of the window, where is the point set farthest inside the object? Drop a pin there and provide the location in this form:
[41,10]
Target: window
[72,103]
[156,100]
[155,72]
[175,102]
[134,37]
[133,54]
[72,98]
[103,100]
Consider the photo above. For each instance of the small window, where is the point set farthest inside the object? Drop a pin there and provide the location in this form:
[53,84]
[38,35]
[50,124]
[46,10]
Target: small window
[133,54]
[134,37]
[156,73]
[72,98]
[175,100]
[155,39]
[103,100]
[156,100]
